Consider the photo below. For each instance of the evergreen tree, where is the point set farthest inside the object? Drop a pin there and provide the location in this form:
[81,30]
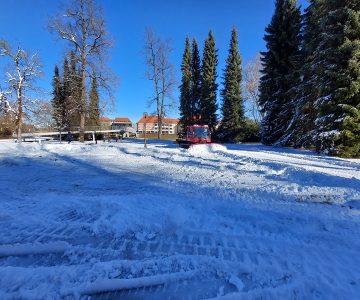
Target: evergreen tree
[208,105]
[58,100]
[301,130]
[66,93]
[74,86]
[195,83]
[185,88]
[338,58]
[280,75]
[232,101]
[94,109]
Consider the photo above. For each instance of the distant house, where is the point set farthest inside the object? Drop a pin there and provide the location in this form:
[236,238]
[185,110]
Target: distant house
[115,124]
[105,123]
[121,123]
[169,126]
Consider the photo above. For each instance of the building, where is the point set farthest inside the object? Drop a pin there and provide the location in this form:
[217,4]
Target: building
[121,124]
[169,126]
[105,123]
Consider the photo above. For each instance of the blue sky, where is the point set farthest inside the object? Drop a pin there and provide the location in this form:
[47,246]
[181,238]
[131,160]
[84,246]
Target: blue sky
[24,23]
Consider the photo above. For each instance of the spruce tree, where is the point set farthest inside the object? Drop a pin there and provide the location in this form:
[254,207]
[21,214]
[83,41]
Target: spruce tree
[74,81]
[58,101]
[208,105]
[94,109]
[280,74]
[302,128]
[195,83]
[232,101]
[67,93]
[338,58]
[185,88]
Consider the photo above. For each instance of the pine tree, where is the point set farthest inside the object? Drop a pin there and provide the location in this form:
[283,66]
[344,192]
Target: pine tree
[338,58]
[58,101]
[232,101]
[280,75]
[195,83]
[94,109]
[208,105]
[185,88]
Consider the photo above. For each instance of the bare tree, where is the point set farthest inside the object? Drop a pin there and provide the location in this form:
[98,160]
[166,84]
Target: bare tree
[25,69]
[161,72]
[251,80]
[43,115]
[5,106]
[83,27]
[6,115]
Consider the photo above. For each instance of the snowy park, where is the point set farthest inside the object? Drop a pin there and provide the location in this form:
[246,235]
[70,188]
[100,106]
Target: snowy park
[232,221]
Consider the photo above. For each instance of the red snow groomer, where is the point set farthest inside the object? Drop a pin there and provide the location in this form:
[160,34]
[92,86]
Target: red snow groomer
[195,134]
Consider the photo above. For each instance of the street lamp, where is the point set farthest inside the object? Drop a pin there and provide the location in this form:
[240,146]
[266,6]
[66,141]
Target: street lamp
[145,114]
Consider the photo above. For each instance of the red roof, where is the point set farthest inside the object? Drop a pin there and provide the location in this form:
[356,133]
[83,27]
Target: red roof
[122,120]
[154,119]
[105,119]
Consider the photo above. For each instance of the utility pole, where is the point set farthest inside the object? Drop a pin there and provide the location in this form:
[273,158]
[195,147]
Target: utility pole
[145,116]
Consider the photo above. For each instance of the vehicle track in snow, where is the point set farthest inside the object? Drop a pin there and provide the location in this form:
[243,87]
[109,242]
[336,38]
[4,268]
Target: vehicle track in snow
[240,251]
[283,256]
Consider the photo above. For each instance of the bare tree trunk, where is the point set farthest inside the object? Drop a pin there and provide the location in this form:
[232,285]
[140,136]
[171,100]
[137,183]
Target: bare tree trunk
[83,80]
[159,126]
[83,101]
[19,119]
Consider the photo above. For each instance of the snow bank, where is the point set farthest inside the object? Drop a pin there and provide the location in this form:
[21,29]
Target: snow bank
[201,149]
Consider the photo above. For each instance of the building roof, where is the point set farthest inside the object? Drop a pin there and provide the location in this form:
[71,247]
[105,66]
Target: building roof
[105,119]
[154,119]
[122,120]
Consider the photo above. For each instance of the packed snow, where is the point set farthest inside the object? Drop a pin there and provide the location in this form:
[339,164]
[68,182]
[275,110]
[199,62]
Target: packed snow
[120,221]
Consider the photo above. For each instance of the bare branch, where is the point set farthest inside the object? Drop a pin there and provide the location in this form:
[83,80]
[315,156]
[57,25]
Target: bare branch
[160,72]
[83,27]
[20,79]
[251,81]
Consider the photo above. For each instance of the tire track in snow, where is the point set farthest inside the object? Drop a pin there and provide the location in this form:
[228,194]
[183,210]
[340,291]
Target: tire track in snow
[250,253]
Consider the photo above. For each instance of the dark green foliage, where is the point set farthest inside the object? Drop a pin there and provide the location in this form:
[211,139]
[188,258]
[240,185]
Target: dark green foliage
[281,74]
[195,83]
[94,109]
[251,131]
[232,101]
[208,105]
[338,60]
[185,88]
[302,128]
[74,86]
[58,101]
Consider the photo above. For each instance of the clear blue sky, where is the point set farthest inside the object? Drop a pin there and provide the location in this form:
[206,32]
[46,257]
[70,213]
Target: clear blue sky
[25,22]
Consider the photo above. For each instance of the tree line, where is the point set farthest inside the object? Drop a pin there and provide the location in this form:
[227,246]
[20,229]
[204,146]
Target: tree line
[310,84]
[67,103]
[75,100]
[308,93]
[198,90]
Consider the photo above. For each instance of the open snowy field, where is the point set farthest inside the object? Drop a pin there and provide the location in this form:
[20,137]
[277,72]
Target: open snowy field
[117,221]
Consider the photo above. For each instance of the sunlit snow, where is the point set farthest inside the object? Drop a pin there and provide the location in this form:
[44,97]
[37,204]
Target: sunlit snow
[118,221]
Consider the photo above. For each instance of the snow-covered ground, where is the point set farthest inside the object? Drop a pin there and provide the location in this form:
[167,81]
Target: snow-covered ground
[117,221]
